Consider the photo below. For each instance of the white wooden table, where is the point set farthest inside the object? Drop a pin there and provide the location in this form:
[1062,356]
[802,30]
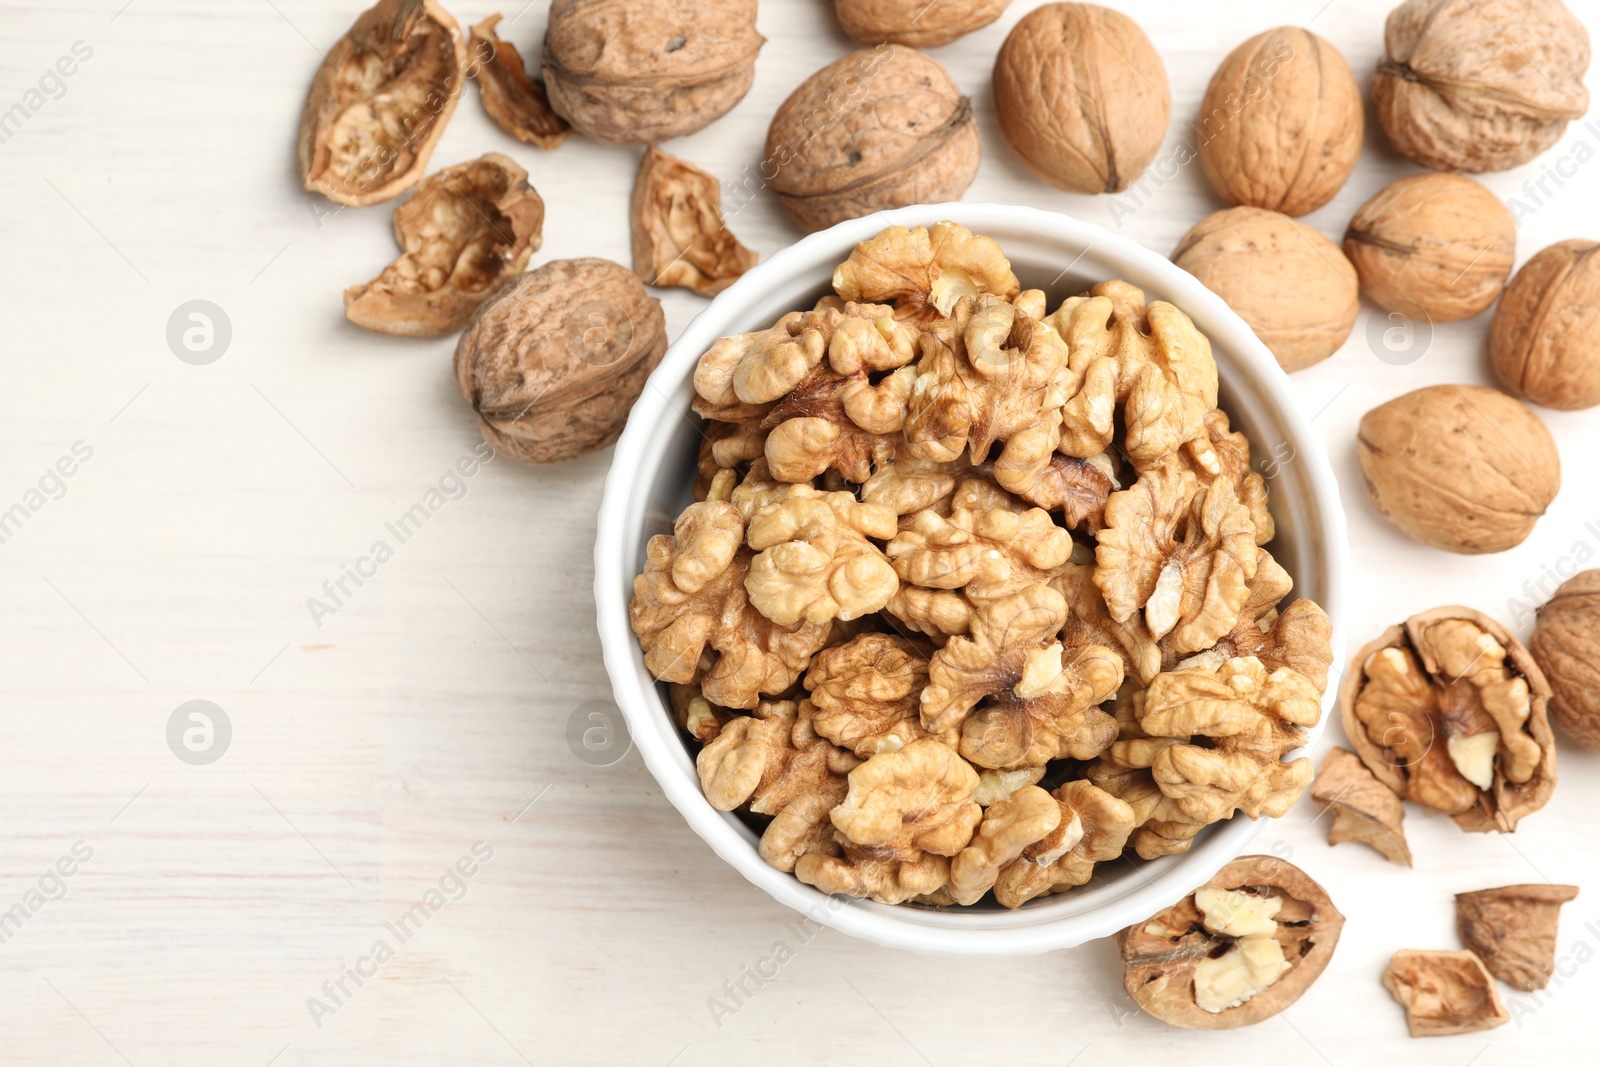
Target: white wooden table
[425,723]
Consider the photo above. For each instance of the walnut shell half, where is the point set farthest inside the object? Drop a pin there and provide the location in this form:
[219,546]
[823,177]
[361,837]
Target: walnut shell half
[1449,710]
[464,230]
[380,101]
[1545,343]
[1261,930]
[679,237]
[553,362]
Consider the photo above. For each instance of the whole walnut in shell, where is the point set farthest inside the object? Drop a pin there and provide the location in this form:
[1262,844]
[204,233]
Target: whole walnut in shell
[1545,343]
[1433,246]
[380,101]
[1292,285]
[1459,467]
[880,128]
[1281,122]
[1477,85]
[1566,645]
[917,23]
[1082,97]
[646,71]
[553,362]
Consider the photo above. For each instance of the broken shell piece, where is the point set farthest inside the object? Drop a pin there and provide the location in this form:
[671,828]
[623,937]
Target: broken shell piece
[1513,930]
[679,237]
[514,99]
[1364,809]
[1444,992]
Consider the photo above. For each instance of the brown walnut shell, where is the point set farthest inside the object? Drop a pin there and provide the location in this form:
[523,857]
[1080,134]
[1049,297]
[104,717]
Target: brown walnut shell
[1292,285]
[1566,645]
[1545,342]
[515,100]
[880,128]
[1444,992]
[1433,246]
[679,237]
[1460,467]
[917,23]
[462,231]
[1281,122]
[1159,955]
[553,362]
[380,101]
[1513,930]
[1479,85]
[1082,97]
[1413,749]
[646,71]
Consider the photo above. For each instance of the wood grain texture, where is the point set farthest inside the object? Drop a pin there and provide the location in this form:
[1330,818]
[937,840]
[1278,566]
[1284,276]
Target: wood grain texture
[430,711]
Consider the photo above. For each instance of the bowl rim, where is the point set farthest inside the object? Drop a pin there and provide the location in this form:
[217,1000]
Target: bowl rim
[952,932]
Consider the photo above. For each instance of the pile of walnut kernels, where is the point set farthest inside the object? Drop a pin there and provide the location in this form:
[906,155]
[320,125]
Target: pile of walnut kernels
[973,596]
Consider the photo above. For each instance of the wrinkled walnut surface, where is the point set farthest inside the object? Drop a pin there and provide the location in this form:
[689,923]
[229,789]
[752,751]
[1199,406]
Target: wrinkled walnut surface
[1513,930]
[679,237]
[1566,645]
[1444,993]
[463,231]
[515,100]
[380,101]
[1545,342]
[917,23]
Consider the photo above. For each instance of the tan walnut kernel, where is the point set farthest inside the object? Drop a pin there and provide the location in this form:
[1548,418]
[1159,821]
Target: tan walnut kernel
[990,545]
[679,237]
[1545,341]
[1444,993]
[1566,645]
[1093,827]
[867,693]
[1008,828]
[925,271]
[814,560]
[912,800]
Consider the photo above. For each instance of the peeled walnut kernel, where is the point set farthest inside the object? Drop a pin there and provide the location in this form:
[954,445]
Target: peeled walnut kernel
[1436,244]
[918,23]
[1293,286]
[1082,97]
[512,98]
[1478,85]
[880,128]
[1281,122]
[924,272]
[914,800]
[1545,343]
[1444,993]
[1364,809]
[1459,467]
[380,101]
[647,71]
[679,237]
[1566,645]
[553,362]
[1238,950]
[462,232]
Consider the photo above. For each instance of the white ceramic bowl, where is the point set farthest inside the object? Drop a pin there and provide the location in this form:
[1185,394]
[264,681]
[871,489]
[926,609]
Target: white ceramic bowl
[654,467]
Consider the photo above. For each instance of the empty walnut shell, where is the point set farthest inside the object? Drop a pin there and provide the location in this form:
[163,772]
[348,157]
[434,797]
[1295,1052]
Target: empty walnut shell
[1292,285]
[1160,956]
[917,23]
[515,100]
[679,237]
[1436,244]
[380,101]
[1082,97]
[553,362]
[1281,122]
[880,128]
[462,231]
[645,71]
[1566,645]
[1413,700]
[1545,342]
[1513,930]
[1478,85]
[1444,993]
[1459,467]
[1364,809]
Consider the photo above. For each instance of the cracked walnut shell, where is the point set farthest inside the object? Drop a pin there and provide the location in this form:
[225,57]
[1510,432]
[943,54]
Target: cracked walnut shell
[463,231]
[380,101]
[1364,809]
[1459,467]
[881,128]
[1513,930]
[1082,97]
[1444,993]
[1238,950]
[1566,645]
[1546,330]
[512,98]
[647,71]
[554,360]
[679,237]
[1449,712]
[1478,85]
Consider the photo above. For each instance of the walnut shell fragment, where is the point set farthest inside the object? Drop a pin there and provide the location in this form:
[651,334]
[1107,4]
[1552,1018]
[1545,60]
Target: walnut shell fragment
[1566,645]
[917,23]
[1444,993]
[1449,711]
[679,237]
[553,362]
[1545,342]
[1082,97]
[1513,930]
[1238,950]
[380,101]
[1364,809]
[1459,467]
[462,232]
[647,71]
[515,100]
[880,128]
[1478,85]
